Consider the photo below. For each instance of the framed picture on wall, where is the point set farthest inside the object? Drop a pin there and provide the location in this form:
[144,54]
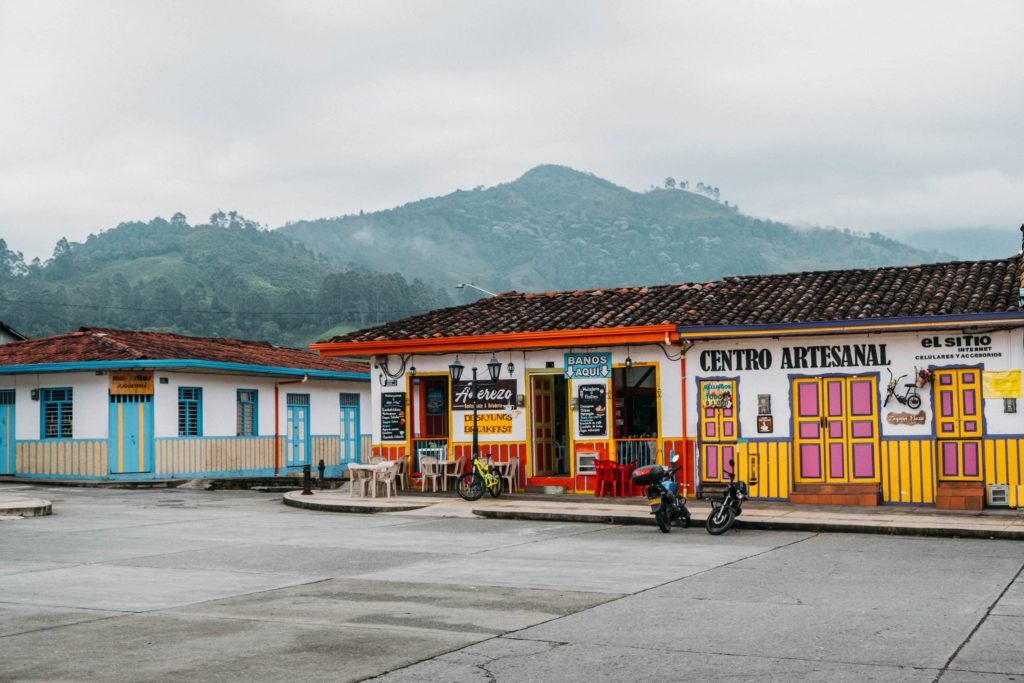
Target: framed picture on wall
[764,404]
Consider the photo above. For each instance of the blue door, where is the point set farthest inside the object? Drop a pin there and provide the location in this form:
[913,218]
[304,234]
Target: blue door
[349,429]
[298,445]
[130,439]
[7,451]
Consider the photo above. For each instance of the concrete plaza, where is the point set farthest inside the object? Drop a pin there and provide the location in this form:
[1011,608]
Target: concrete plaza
[180,585]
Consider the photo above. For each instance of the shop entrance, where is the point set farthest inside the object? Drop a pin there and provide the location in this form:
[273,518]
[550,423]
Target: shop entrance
[835,422]
[548,425]
[130,441]
[430,417]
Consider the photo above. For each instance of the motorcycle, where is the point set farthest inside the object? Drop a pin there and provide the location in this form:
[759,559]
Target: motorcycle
[667,505]
[724,512]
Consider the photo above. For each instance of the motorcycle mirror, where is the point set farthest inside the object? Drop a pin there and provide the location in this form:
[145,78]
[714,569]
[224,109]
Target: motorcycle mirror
[675,458]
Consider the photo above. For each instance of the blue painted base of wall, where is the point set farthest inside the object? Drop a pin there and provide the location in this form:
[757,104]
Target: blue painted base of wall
[333,472]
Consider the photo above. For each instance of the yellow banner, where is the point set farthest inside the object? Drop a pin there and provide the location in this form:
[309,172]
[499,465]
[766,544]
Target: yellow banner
[488,423]
[1001,384]
[135,382]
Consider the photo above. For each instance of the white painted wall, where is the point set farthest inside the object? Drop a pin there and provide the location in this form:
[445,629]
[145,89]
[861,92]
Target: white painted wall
[904,351]
[91,400]
[220,394]
[534,361]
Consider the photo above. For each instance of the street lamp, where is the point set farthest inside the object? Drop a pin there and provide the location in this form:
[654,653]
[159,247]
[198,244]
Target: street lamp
[463,285]
[493,371]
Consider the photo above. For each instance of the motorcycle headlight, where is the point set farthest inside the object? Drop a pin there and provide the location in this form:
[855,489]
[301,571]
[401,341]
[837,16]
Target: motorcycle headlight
[741,486]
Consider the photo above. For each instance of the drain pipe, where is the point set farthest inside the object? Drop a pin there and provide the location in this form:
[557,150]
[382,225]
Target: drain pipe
[277,420]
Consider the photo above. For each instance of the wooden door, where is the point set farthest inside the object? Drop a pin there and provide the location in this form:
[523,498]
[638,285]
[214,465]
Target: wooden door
[542,419]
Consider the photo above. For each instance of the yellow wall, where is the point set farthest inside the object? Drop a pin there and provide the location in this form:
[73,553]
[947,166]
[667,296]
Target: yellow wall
[77,457]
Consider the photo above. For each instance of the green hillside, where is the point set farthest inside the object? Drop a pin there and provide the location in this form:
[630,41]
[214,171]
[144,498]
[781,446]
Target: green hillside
[556,228]
[226,278]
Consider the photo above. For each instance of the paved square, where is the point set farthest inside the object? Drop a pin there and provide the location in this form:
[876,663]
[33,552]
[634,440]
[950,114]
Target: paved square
[215,586]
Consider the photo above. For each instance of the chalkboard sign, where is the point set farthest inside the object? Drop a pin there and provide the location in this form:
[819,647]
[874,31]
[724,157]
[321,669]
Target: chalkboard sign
[592,408]
[392,417]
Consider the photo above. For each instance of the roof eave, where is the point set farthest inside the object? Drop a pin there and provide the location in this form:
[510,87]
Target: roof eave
[608,336]
[910,324]
[184,364]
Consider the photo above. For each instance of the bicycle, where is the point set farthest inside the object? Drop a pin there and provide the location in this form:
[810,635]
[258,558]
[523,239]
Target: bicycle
[910,396]
[480,478]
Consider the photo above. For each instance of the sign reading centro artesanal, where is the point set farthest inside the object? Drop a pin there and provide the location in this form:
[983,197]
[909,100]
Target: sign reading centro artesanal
[131,382]
[796,357]
[584,365]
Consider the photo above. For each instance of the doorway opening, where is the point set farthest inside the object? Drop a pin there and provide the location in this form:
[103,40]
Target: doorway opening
[549,425]
[635,400]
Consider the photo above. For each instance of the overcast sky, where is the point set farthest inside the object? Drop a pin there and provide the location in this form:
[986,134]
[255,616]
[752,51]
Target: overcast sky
[882,116]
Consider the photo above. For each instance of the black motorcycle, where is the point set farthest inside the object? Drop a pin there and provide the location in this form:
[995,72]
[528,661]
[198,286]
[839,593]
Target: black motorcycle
[724,512]
[667,505]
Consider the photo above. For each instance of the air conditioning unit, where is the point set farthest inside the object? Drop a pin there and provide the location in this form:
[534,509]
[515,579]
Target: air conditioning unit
[998,494]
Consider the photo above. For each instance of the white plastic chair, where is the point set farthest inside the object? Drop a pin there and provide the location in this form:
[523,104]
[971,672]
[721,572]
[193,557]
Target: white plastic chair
[428,467]
[358,475]
[510,473]
[455,473]
[386,476]
[403,481]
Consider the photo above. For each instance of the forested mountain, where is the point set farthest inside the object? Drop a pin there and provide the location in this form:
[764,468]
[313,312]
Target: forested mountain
[226,278]
[556,228]
[553,228]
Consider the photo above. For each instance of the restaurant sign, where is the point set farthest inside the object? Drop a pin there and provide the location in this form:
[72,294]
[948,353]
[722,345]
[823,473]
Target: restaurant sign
[500,395]
[588,365]
[488,423]
[131,382]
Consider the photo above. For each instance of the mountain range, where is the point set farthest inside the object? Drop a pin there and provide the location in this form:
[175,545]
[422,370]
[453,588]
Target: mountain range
[553,228]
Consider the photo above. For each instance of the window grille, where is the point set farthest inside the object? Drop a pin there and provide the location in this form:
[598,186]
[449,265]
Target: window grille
[298,399]
[6,397]
[348,399]
[131,398]
[57,413]
[245,412]
[190,411]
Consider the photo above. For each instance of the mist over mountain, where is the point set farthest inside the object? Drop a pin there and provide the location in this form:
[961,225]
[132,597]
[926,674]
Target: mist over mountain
[553,228]
[557,228]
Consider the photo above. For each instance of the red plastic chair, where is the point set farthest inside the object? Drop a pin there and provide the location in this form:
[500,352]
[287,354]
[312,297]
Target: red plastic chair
[627,478]
[607,478]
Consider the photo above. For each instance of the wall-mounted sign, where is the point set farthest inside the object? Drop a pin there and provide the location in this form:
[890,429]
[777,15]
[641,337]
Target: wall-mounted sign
[917,418]
[795,358]
[716,395]
[765,424]
[392,416]
[1001,384]
[764,404]
[435,402]
[132,382]
[500,395]
[488,423]
[588,365]
[592,409]
[959,348]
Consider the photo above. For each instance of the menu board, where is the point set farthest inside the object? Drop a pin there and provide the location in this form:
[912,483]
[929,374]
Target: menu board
[392,416]
[592,408]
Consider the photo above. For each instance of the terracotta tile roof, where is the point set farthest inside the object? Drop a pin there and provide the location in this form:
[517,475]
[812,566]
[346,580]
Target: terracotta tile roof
[961,287]
[98,344]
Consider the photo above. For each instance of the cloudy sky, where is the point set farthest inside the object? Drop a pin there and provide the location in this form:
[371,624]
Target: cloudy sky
[884,116]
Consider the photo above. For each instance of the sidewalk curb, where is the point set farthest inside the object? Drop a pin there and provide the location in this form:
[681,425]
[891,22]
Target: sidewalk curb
[345,507]
[813,527]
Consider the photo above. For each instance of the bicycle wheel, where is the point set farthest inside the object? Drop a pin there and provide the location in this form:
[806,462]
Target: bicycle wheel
[495,490]
[914,401]
[470,486]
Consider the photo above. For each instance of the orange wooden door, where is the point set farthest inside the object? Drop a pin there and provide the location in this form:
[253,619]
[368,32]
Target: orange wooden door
[543,424]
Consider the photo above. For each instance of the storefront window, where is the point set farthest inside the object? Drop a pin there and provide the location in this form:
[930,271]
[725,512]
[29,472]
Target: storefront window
[635,398]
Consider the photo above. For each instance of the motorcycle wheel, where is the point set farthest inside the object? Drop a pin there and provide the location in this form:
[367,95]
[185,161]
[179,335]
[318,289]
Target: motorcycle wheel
[662,519]
[470,486]
[914,401]
[495,490]
[720,520]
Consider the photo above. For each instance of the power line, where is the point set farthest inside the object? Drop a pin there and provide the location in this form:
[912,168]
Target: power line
[209,311]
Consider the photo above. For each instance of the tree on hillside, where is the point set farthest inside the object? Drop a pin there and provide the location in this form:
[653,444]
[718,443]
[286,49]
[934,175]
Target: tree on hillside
[670,183]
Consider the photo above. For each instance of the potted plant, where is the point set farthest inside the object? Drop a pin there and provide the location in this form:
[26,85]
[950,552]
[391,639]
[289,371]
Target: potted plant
[924,377]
